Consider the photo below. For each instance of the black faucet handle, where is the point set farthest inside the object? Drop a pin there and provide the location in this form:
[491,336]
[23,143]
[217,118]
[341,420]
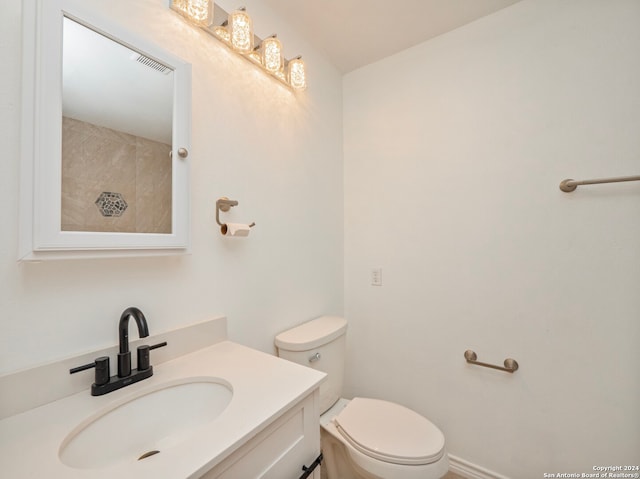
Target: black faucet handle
[101,365]
[159,345]
[143,355]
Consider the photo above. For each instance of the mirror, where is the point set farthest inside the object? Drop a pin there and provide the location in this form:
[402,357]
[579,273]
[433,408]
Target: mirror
[105,114]
[117,111]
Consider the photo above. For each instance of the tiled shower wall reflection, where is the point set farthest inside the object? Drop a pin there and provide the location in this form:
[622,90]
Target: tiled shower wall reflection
[96,160]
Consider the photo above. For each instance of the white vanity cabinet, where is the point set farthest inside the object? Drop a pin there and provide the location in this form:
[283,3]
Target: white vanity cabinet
[280,450]
[269,429]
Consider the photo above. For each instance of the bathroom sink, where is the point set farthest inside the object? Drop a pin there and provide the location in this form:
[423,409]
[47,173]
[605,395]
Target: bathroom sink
[140,427]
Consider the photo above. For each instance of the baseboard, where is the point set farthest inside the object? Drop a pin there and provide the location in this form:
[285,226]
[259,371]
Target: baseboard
[471,471]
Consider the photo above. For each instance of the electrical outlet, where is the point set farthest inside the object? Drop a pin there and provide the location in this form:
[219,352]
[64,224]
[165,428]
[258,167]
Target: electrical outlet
[376,277]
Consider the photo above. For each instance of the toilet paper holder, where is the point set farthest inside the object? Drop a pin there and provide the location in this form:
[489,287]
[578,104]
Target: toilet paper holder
[225,204]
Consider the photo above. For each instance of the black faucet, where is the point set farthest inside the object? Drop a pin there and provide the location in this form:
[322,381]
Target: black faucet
[103,382]
[124,356]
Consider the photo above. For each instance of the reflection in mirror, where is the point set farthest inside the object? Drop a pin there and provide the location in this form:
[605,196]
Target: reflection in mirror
[117,113]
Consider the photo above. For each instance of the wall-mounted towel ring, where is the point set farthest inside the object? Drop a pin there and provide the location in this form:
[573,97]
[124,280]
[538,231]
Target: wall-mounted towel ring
[230,229]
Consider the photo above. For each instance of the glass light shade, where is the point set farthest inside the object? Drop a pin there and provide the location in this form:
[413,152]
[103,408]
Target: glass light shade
[179,5]
[199,12]
[222,33]
[271,50]
[296,74]
[241,31]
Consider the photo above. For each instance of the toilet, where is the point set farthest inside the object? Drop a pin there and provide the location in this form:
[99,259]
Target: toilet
[362,438]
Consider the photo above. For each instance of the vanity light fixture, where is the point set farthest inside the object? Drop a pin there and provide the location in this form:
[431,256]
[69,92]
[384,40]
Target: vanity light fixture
[236,31]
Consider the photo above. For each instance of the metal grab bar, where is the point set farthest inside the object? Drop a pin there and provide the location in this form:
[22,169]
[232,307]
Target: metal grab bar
[570,185]
[510,365]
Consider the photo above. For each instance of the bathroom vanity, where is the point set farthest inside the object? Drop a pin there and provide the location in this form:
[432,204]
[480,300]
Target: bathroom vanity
[219,411]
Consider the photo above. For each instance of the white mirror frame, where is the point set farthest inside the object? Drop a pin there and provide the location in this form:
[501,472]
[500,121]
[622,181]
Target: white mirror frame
[41,236]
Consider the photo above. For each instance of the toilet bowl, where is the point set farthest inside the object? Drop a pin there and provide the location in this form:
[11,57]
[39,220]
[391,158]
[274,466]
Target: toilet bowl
[362,438]
[370,438]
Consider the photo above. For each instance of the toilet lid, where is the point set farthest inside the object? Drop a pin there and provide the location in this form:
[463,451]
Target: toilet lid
[390,432]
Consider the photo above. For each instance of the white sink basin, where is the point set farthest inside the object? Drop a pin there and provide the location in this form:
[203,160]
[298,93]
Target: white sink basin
[139,426]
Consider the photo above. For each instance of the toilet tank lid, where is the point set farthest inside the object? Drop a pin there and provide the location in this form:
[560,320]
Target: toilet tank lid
[312,334]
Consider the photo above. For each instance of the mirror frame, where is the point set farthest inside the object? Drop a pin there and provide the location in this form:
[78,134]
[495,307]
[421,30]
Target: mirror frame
[41,235]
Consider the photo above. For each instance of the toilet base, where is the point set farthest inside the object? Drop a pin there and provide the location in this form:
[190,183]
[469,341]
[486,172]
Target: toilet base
[336,464]
[342,461]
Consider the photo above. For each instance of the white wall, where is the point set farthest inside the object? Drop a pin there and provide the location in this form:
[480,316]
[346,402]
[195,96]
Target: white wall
[278,154]
[453,153]
[454,150]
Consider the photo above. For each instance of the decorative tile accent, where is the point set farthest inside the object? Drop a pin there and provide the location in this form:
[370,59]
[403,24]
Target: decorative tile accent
[97,159]
[111,204]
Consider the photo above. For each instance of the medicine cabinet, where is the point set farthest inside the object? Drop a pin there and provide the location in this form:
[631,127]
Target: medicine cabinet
[105,138]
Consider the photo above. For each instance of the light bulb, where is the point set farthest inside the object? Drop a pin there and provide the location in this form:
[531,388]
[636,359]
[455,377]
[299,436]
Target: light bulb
[272,54]
[241,31]
[296,74]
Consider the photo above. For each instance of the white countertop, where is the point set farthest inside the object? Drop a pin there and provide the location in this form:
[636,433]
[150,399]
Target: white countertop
[264,387]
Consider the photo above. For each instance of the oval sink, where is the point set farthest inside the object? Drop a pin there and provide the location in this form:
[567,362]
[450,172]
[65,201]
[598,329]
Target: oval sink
[145,425]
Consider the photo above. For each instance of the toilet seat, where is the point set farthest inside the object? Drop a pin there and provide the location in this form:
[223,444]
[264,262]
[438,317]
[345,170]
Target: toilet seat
[389,432]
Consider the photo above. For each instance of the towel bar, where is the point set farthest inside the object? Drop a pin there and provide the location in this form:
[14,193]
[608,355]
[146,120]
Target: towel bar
[570,185]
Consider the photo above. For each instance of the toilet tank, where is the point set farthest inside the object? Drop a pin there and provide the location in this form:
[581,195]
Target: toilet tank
[318,344]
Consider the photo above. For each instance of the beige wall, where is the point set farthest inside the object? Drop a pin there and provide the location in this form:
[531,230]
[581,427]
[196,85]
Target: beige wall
[96,159]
